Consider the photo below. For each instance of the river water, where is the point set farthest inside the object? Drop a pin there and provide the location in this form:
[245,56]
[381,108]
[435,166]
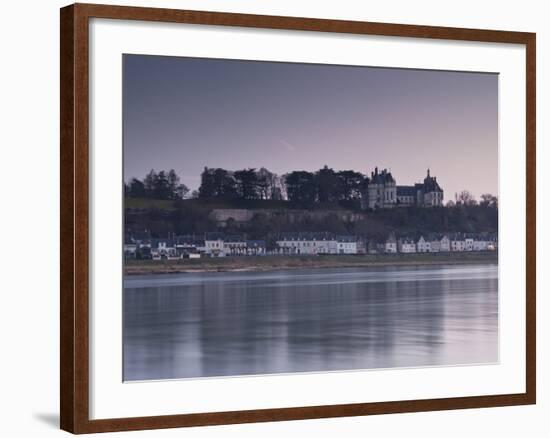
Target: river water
[243,323]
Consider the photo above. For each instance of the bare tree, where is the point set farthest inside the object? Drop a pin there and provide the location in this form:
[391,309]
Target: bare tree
[181,191]
[266,183]
[465,198]
[488,200]
[279,191]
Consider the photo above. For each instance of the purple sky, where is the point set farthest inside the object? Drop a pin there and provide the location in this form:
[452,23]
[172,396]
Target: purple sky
[187,113]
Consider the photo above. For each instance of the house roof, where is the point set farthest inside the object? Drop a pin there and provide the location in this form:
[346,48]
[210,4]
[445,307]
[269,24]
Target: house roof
[406,240]
[234,238]
[382,177]
[406,191]
[190,239]
[346,239]
[435,236]
[305,235]
[430,184]
[214,236]
[156,242]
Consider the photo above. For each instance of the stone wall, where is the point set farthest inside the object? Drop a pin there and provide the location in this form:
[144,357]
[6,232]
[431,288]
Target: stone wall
[221,216]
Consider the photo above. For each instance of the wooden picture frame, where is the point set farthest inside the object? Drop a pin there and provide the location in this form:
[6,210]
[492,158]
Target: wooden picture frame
[74,274]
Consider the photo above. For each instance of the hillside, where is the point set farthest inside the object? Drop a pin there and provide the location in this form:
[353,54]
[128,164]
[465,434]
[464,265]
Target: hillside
[261,219]
[162,204]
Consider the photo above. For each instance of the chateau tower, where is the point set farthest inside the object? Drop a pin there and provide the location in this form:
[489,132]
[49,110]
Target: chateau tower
[432,193]
[381,191]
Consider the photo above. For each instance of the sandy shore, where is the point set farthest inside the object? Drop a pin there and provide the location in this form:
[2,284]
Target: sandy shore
[269,263]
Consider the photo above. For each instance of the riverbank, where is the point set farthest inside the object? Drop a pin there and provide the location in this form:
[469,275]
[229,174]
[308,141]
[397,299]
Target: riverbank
[269,263]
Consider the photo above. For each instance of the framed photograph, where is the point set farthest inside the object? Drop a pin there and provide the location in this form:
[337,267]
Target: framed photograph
[276,218]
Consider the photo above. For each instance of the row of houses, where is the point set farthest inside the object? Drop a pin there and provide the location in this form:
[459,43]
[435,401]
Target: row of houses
[325,243]
[318,243]
[302,243]
[441,243]
[209,244]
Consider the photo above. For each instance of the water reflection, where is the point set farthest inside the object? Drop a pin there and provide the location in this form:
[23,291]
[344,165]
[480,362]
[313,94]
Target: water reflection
[219,324]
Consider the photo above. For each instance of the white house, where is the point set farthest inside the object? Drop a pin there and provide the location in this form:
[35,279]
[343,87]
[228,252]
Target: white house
[406,246]
[328,246]
[434,245]
[255,247]
[444,244]
[130,249]
[307,243]
[458,244]
[163,250]
[234,245]
[190,245]
[422,245]
[346,245]
[469,244]
[316,243]
[390,245]
[214,244]
[481,245]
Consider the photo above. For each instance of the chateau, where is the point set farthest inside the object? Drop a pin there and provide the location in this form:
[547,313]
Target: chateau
[381,191]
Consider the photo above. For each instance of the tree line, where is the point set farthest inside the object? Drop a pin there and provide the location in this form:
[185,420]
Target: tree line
[218,183]
[466,198]
[300,187]
[161,185]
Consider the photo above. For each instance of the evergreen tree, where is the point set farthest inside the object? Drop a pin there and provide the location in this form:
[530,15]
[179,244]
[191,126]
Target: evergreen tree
[136,189]
[224,184]
[207,188]
[328,185]
[246,183]
[301,187]
[217,183]
[162,188]
[149,183]
[351,183]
